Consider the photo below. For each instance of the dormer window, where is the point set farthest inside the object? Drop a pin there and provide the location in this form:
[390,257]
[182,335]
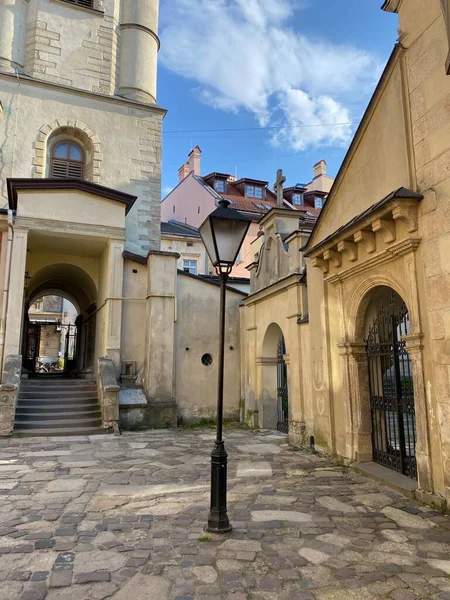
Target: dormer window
[318,202]
[219,186]
[297,199]
[253,191]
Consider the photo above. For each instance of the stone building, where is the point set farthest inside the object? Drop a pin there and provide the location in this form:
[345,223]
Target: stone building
[378,280]
[80,180]
[196,196]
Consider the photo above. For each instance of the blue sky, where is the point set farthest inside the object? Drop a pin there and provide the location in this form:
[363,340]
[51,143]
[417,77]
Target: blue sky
[275,83]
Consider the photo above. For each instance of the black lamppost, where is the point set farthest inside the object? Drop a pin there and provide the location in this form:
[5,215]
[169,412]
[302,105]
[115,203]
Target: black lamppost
[222,232]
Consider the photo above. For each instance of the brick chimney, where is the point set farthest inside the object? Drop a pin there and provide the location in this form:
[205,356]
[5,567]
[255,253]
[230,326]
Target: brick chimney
[194,160]
[320,168]
[183,171]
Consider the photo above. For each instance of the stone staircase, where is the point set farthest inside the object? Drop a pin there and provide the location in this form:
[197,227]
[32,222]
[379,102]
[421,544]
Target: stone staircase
[50,406]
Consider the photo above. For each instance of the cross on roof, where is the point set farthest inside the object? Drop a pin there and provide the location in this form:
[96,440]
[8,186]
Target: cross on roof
[278,185]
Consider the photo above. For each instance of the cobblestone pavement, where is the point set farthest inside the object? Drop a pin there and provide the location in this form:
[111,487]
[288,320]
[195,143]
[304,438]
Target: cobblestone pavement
[122,516]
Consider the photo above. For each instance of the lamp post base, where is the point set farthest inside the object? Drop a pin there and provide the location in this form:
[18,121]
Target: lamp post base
[218,519]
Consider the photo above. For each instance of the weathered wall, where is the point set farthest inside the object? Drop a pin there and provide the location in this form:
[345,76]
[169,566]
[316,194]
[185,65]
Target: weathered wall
[377,167]
[196,251]
[33,113]
[197,334]
[429,88]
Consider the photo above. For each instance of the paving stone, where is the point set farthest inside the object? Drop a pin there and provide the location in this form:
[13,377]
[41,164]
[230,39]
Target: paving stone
[144,587]
[404,519]
[303,529]
[66,485]
[254,469]
[280,515]
[92,577]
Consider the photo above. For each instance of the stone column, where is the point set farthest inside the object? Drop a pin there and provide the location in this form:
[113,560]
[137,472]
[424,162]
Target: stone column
[14,314]
[424,467]
[358,426]
[113,318]
[160,327]
[13,27]
[139,45]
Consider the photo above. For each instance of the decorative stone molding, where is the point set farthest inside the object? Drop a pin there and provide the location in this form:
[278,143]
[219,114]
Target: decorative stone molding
[386,228]
[321,263]
[375,229]
[350,248]
[335,257]
[72,129]
[367,238]
[408,214]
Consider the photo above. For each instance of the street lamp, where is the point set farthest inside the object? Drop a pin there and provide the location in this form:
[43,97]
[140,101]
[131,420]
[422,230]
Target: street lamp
[222,232]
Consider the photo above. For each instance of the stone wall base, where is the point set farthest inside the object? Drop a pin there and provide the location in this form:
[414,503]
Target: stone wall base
[297,434]
[161,415]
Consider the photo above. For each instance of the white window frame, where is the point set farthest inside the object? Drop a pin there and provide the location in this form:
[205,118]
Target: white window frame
[300,195]
[187,268]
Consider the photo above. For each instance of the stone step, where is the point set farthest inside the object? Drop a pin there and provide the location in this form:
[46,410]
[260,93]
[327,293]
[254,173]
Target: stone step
[22,424]
[57,383]
[34,394]
[53,406]
[59,400]
[61,431]
[24,414]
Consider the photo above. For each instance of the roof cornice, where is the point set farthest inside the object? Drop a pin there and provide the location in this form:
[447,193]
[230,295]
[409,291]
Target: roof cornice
[22,78]
[391,5]
[81,185]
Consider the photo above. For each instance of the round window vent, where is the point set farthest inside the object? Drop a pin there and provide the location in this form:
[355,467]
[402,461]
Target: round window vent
[207,360]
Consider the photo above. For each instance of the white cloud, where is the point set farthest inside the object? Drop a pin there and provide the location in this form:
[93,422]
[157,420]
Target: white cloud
[243,54]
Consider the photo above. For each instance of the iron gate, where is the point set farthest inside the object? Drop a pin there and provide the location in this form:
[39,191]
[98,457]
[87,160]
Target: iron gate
[282,389]
[392,391]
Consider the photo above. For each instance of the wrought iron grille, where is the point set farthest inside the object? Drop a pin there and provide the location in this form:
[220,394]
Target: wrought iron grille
[391,391]
[282,389]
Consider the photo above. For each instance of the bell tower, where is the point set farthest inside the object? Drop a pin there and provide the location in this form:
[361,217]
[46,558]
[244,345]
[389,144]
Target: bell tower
[13,24]
[139,49]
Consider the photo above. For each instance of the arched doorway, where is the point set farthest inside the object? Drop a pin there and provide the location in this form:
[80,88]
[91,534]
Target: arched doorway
[51,342]
[391,389]
[274,401]
[59,321]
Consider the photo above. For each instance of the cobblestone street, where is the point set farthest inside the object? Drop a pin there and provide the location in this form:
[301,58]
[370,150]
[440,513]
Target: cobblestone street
[122,517]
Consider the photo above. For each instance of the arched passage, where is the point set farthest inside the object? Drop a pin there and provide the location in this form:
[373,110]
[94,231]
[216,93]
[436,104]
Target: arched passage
[274,400]
[74,284]
[383,392]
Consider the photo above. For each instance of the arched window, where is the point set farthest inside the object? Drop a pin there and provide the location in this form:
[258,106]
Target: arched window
[67,161]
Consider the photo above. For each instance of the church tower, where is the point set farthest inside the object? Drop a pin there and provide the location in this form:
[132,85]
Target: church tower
[84,71]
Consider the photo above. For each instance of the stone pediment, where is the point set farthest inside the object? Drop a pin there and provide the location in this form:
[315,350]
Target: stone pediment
[386,229]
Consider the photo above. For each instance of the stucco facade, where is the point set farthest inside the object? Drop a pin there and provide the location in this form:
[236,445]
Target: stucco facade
[80,171]
[377,262]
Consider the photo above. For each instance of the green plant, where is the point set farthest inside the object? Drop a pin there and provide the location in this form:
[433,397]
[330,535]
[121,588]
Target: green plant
[205,538]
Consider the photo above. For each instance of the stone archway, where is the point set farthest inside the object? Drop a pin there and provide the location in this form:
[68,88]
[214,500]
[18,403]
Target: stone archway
[361,309]
[73,283]
[273,401]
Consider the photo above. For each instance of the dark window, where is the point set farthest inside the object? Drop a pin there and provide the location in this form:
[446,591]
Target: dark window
[67,161]
[219,186]
[83,3]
